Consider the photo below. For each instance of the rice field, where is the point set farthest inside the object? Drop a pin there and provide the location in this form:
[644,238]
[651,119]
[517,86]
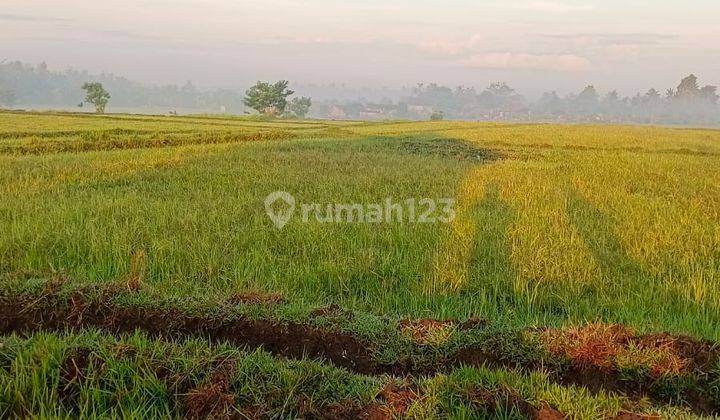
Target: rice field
[561,232]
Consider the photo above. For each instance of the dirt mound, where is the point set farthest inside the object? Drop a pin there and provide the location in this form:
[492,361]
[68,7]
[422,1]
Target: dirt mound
[698,354]
[591,346]
[398,397]
[633,416]
[213,399]
[290,339]
[348,410]
[591,350]
[603,346]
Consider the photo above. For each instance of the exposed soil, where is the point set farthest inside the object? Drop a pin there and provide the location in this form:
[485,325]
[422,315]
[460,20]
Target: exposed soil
[471,323]
[397,398]
[700,355]
[297,340]
[291,339]
[347,410]
[591,346]
[633,416]
[597,345]
[213,399]
[591,350]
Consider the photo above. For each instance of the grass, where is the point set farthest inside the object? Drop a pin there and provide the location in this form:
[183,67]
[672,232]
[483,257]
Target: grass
[94,375]
[556,225]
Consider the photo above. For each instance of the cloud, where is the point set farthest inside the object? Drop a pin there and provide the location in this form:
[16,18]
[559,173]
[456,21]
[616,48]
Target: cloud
[550,6]
[301,40]
[24,18]
[451,47]
[612,38]
[509,60]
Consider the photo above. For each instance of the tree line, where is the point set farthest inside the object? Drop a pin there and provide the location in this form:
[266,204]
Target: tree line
[27,85]
[36,85]
[688,103]
[270,100]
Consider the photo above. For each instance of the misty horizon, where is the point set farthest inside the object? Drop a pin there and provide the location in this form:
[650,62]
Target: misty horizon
[333,91]
[535,46]
[37,87]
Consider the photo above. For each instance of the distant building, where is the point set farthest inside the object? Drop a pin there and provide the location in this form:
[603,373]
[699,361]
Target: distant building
[373,114]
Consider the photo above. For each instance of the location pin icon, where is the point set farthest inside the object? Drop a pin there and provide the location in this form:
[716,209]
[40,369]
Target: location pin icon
[280,215]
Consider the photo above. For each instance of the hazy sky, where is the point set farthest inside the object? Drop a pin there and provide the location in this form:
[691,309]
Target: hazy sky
[532,44]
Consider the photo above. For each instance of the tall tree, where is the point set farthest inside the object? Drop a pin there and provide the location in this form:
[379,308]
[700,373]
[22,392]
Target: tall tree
[299,107]
[688,88]
[612,105]
[501,96]
[709,94]
[549,105]
[588,101]
[268,98]
[653,105]
[96,94]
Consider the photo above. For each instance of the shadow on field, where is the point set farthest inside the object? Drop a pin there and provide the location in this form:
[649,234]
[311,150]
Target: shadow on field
[445,148]
[596,228]
[491,270]
[621,275]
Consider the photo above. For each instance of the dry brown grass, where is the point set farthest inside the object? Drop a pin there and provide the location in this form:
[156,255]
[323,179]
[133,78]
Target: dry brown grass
[612,346]
[136,275]
[594,345]
[213,399]
[427,331]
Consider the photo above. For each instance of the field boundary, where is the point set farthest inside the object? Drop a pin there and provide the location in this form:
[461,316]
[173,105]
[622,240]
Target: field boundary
[297,340]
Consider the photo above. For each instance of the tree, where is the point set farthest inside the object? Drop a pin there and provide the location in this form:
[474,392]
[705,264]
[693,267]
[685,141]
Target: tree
[434,96]
[437,116]
[709,94]
[587,101]
[549,105]
[499,95]
[653,104]
[267,98]
[693,104]
[653,95]
[612,105]
[299,107]
[688,87]
[96,95]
